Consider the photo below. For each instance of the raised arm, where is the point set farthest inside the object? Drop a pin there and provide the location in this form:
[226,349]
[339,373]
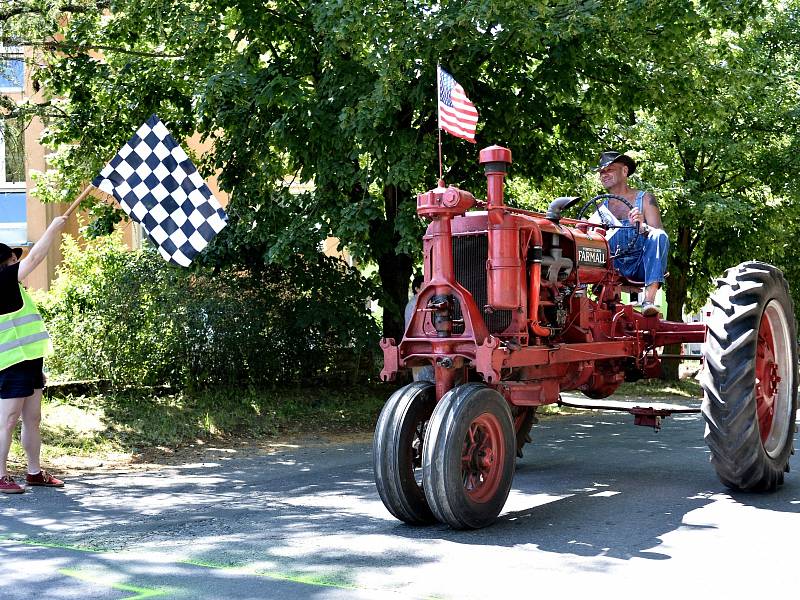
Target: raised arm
[40,248]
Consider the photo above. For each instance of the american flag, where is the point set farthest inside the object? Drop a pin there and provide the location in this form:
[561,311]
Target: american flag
[457,115]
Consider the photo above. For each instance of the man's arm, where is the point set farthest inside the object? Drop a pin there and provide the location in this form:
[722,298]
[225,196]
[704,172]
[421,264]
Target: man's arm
[650,214]
[40,248]
[652,211]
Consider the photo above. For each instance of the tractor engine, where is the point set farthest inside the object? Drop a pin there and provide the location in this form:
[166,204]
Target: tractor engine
[509,282]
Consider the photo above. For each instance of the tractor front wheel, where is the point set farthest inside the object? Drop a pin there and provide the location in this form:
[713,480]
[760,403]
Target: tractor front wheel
[397,452]
[750,378]
[468,456]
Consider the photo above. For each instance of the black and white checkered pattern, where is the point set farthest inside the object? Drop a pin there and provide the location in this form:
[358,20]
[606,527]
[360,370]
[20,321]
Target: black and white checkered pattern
[157,185]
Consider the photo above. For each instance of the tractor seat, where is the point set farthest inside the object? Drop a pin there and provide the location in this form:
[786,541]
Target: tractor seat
[631,286]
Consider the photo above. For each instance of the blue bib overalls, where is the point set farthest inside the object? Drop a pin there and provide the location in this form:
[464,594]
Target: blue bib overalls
[646,261]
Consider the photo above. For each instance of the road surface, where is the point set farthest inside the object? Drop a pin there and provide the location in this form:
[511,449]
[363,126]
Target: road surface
[599,508]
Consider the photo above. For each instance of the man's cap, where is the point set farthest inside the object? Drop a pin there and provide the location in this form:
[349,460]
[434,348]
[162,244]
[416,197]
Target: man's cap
[610,156]
[7,251]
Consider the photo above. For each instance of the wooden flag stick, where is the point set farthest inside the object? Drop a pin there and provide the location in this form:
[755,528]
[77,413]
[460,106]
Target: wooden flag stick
[78,200]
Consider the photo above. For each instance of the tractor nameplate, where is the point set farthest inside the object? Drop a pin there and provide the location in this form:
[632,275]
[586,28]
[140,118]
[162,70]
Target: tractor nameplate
[592,256]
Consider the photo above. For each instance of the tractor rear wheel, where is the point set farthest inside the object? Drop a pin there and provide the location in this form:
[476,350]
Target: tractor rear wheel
[397,452]
[468,456]
[750,378]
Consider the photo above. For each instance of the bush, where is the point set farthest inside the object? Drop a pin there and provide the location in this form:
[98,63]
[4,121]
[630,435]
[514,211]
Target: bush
[129,317]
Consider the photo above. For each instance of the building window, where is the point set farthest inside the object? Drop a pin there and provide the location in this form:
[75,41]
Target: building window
[12,152]
[13,217]
[13,205]
[12,70]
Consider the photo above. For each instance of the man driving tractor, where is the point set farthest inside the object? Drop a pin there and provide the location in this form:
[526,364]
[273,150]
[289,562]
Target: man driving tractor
[646,258]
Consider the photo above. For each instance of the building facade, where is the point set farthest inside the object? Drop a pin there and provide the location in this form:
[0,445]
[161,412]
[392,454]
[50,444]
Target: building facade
[13,213]
[23,218]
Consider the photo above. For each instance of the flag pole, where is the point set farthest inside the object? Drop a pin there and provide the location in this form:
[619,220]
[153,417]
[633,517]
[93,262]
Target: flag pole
[78,200]
[439,121]
[441,179]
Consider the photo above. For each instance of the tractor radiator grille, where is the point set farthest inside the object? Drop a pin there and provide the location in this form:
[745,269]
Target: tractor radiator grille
[470,253]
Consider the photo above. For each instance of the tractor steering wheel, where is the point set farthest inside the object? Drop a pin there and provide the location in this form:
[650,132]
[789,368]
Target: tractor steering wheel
[596,203]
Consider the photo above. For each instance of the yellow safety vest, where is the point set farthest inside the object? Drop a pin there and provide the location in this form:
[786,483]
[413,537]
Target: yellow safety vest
[22,334]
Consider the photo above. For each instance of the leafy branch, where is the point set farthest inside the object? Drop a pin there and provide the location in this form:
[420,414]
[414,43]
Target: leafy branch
[16,9]
[66,47]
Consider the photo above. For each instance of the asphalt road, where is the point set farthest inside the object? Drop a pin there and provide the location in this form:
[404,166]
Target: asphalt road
[599,508]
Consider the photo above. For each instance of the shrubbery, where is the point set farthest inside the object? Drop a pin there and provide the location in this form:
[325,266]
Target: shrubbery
[129,317]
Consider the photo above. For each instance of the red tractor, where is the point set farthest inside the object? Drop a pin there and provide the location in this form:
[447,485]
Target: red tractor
[518,306]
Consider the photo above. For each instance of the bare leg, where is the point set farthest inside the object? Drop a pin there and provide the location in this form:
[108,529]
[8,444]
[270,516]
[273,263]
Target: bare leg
[10,409]
[650,292]
[31,437]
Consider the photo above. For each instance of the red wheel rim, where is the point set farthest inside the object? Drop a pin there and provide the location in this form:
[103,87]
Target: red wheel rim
[767,378]
[483,458]
[774,373]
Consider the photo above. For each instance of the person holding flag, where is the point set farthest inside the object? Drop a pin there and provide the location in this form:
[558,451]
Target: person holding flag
[23,344]
[156,184]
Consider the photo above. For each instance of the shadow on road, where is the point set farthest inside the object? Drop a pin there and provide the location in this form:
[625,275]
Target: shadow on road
[589,486]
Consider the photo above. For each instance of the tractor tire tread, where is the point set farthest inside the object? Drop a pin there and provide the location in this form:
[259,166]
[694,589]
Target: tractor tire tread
[402,502]
[732,429]
[440,481]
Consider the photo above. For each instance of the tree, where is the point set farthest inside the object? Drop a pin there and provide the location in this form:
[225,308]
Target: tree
[715,127]
[723,151]
[341,95]
[338,94]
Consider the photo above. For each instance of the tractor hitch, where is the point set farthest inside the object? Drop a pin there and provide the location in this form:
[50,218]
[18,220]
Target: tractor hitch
[646,415]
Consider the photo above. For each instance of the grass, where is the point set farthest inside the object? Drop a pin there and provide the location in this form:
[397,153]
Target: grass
[129,423]
[688,388]
[117,426]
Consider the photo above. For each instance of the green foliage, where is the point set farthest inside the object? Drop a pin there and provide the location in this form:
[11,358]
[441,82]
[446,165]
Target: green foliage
[342,95]
[141,423]
[715,126]
[129,317]
[339,96]
[112,315]
[688,388]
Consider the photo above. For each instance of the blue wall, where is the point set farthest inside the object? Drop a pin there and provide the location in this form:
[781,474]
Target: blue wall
[13,219]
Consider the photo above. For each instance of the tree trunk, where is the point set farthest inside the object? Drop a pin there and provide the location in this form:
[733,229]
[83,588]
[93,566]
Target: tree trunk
[394,269]
[676,289]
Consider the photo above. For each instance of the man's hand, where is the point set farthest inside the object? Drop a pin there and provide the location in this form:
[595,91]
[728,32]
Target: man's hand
[636,215]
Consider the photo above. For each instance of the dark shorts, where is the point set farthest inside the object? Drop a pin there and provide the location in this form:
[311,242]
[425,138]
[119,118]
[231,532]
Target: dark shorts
[21,379]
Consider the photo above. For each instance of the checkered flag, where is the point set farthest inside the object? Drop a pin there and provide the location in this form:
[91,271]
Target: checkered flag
[157,185]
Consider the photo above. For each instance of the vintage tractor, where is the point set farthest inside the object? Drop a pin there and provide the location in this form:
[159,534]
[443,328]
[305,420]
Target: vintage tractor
[518,306]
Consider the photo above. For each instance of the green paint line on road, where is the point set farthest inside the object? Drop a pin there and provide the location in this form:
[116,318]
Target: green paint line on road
[309,579]
[43,544]
[306,578]
[141,593]
[320,580]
